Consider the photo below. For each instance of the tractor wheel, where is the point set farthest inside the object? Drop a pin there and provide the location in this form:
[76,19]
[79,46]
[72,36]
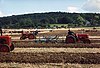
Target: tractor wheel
[86,41]
[31,36]
[4,48]
[70,39]
[12,47]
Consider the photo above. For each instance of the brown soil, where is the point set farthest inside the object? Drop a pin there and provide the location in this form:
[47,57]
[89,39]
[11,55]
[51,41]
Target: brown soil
[29,44]
[82,58]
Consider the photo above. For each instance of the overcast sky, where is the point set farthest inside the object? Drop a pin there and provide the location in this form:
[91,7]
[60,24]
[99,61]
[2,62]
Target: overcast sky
[16,7]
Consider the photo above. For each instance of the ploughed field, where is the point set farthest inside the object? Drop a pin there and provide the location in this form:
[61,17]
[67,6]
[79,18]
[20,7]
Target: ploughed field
[31,44]
[53,55]
[50,57]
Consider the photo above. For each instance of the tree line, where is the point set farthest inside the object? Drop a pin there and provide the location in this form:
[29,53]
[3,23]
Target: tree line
[43,20]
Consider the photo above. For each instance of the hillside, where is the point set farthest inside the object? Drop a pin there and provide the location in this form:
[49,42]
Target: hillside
[43,20]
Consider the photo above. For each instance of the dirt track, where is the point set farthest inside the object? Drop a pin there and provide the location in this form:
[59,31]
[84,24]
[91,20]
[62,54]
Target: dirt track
[57,50]
[53,45]
[48,65]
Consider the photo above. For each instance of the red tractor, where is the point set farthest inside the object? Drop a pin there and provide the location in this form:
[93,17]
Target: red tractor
[76,38]
[5,43]
[28,35]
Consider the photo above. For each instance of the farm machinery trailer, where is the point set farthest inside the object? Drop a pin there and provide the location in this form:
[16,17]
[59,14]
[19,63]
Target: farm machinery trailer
[47,39]
[6,44]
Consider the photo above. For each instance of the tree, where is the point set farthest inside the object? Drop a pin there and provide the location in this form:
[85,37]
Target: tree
[65,20]
[38,20]
[44,23]
[80,21]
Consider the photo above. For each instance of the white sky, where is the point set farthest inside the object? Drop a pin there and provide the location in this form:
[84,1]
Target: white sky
[16,7]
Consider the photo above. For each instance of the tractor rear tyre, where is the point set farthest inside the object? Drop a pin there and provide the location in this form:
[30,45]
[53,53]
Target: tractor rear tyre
[4,48]
[12,47]
[70,39]
[31,36]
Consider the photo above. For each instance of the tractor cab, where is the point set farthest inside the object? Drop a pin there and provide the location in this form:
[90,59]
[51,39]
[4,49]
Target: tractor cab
[6,44]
